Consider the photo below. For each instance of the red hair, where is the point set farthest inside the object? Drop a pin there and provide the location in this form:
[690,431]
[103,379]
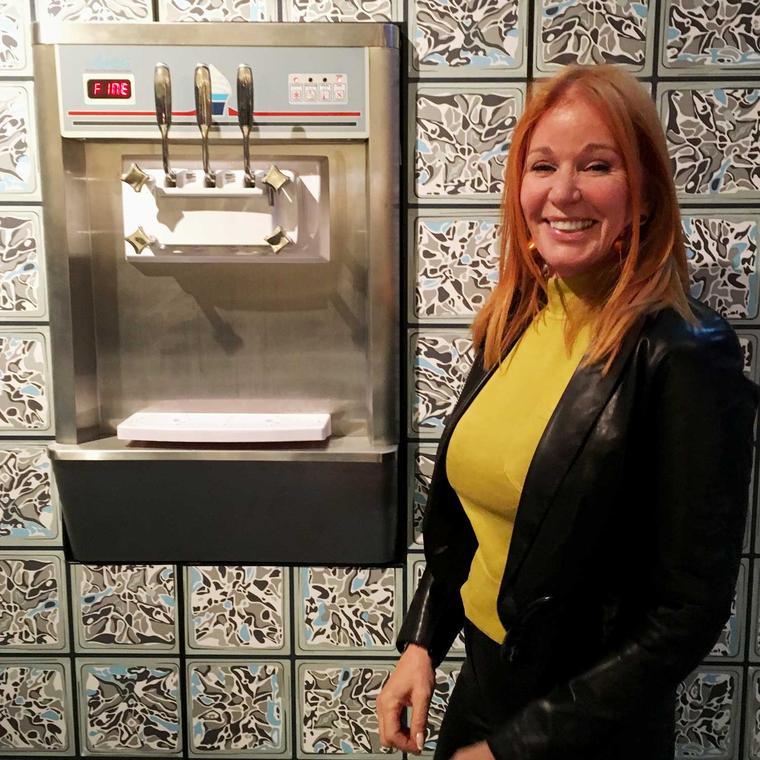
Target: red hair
[651,272]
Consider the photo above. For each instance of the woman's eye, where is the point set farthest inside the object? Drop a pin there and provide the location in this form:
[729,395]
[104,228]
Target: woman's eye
[541,167]
[601,167]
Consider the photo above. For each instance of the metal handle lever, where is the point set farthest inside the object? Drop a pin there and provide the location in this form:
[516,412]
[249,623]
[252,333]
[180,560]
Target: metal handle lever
[203,115]
[245,115]
[162,88]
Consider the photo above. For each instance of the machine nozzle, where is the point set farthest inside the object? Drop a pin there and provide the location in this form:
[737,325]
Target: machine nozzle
[203,115]
[245,115]
[162,87]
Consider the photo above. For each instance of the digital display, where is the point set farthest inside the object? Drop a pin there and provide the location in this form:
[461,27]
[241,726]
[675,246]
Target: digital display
[109,89]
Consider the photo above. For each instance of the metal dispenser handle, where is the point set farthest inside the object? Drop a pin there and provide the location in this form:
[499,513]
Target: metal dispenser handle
[203,115]
[245,115]
[162,88]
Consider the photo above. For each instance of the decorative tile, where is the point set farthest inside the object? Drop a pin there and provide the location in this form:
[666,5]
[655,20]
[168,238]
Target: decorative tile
[22,265]
[749,344]
[129,707]
[415,567]
[340,10]
[124,607]
[454,263]
[29,511]
[477,38]
[336,707]
[33,610]
[730,643]
[754,641]
[445,679]
[459,137]
[94,10]
[36,707]
[348,609]
[15,38]
[722,253]
[219,10]
[237,608]
[594,31]
[722,35]
[239,708]
[19,171]
[25,387]
[707,713]
[712,132]
[752,730]
[421,459]
[440,362]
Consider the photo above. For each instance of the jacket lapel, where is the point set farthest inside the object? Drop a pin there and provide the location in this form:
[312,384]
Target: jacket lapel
[580,405]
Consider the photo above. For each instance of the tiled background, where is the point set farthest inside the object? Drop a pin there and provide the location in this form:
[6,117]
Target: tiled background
[286,662]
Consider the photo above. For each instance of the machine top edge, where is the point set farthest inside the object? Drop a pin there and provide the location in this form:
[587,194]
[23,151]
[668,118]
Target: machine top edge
[259,34]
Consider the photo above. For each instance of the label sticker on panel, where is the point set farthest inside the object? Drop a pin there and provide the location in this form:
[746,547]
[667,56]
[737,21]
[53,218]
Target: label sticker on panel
[317,88]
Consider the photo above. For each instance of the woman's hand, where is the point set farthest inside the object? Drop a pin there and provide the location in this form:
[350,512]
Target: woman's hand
[479,751]
[410,685]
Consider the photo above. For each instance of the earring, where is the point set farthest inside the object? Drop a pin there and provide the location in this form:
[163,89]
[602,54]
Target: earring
[617,246]
[531,245]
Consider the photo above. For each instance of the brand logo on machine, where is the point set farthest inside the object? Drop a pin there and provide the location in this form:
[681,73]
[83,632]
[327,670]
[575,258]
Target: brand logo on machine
[220,92]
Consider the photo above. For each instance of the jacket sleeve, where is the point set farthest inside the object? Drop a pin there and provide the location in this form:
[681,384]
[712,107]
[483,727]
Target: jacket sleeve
[434,619]
[701,419]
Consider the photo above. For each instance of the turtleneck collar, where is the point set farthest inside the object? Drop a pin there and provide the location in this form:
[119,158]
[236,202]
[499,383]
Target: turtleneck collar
[566,295]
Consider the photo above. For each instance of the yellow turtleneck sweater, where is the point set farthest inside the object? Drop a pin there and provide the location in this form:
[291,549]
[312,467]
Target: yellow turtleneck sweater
[493,443]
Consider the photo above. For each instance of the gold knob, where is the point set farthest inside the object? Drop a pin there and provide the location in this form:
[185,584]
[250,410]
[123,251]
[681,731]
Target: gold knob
[277,239]
[275,178]
[139,240]
[135,177]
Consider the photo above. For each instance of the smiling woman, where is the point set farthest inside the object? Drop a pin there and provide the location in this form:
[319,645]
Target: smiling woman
[578,497]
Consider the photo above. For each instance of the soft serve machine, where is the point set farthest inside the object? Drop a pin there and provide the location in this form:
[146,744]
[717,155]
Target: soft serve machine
[221,207]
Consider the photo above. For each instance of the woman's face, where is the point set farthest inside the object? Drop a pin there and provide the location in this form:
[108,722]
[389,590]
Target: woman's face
[574,193]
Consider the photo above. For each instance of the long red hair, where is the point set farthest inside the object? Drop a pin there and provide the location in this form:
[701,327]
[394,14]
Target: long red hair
[650,272]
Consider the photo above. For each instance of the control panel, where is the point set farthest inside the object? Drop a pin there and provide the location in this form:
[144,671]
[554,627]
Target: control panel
[320,92]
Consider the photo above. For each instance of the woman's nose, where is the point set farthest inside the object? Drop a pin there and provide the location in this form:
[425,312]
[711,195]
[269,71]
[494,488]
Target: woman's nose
[564,188]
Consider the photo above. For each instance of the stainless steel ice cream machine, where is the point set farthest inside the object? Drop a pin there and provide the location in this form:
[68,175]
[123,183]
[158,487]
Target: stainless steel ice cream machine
[221,218]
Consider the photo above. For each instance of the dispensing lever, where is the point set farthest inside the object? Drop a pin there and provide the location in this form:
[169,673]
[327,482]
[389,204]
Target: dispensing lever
[203,115]
[245,116]
[162,88]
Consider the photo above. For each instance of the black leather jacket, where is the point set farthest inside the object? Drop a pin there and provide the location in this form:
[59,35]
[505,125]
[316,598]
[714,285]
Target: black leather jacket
[623,561]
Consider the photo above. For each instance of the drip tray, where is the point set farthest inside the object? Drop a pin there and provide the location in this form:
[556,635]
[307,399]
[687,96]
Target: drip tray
[215,427]
[331,502]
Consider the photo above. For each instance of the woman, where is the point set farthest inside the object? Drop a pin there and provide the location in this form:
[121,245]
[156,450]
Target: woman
[585,515]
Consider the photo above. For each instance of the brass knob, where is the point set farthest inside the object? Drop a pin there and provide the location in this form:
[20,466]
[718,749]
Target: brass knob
[277,239]
[135,177]
[139,240]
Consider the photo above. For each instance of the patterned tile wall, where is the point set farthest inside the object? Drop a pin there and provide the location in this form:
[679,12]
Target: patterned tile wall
[245,661]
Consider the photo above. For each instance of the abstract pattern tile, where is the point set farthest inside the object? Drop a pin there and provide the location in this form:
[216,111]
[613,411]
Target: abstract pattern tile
[33,610]
[348,608]
[15,39]
[19,173]
[445,679]
[129,707]
[94,10]
[415,567]
[712,132]
[440,362]
[217,10]
[459,138]
[749,344]
[340,10]
[722,250]
[337,707]
[22,265]
[454,266]
[25,388]
[124,607]
[594,31]
[752,730]
[720,35]
[730,643]
[707,713]
[29,512]
[473,38]
[237,608]
[238,707]
[36,707]
[421,459]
